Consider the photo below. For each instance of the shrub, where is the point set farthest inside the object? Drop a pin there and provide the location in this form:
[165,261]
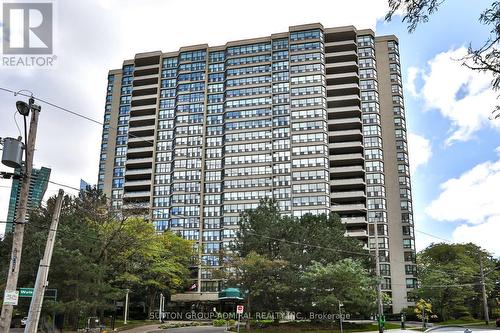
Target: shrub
[219,322]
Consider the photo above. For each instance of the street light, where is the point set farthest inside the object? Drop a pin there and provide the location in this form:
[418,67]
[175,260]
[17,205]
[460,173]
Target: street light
[23,108]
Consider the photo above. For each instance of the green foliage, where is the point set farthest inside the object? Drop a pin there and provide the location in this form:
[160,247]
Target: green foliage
[274,254]
[346,281]
[219,322]
[97,256]
[423,310]
[449,278]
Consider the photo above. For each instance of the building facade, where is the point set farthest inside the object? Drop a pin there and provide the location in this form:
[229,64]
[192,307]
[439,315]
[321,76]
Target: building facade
[313,117]
[38,185]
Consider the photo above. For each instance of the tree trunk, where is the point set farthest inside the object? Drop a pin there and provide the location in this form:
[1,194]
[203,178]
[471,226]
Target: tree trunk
[248,325]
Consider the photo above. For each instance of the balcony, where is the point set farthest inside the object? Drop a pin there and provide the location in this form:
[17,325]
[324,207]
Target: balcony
[345,111]
[147,130]
[142,120]
[137,185]
[347,183]
[341,67]
[347,171]
[343,101]
[139,163]
[147,151]
[345,196]
[344,124]
[354,220]
[137,205]
[138,174]
[149,100]
[346,159]
[143,141]
[344,45]
[136,194]
[346,147]
[348,208]
[345,89]
[150,97]
[146,79]
[342,78]
[346,135]
[149,89]
[343,56]
[360,234]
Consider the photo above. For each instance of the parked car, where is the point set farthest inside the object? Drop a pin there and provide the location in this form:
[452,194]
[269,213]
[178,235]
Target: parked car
[24,321]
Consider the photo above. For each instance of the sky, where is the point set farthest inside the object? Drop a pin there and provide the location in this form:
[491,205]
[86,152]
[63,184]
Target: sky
[454,148]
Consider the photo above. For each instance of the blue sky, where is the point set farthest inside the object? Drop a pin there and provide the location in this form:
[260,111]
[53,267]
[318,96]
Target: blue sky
[455,25]
[456,169]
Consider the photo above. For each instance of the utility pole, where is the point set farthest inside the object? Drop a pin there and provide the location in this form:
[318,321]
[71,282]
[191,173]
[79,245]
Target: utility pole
[126,308]
[340,317]
[43,270]
[18,237]
[161,304]
[380,306]
[483,287]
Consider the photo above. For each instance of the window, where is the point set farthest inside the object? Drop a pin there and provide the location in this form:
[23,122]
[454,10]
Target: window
[411,283]
[407,243]
[252,48]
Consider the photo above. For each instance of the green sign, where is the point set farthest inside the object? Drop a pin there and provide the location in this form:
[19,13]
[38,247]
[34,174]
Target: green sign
[25,292]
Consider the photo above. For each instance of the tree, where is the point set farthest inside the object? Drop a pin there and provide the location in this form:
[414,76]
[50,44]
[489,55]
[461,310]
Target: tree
[346,282]
[449,278]
[260,278]
[423,311]
[287,246]
[485,58]
[98,255]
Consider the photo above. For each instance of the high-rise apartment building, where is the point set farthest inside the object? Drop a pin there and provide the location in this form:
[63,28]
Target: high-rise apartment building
[312,117]
[38,185]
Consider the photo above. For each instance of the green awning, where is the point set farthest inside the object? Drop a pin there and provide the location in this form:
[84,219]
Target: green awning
[230,293]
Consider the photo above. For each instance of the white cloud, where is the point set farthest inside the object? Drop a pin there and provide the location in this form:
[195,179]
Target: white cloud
[420,151]
[413,73]
[461,95]
[498,150]
[472,201]
[94,36]
[472,197]
[484,235]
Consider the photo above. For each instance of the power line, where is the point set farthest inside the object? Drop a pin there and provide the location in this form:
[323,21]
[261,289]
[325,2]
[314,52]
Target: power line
[434,236]
[309,245]
[62,231]
[63,185]
[74,113]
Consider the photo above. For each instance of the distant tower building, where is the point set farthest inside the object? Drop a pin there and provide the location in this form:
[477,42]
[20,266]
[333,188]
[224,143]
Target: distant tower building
[38,186]
[84,185]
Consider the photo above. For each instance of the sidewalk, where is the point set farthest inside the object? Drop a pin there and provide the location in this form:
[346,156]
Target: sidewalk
[394,330]
[143,329]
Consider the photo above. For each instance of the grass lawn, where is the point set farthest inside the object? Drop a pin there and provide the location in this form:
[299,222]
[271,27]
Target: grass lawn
[120,326]
[311,328]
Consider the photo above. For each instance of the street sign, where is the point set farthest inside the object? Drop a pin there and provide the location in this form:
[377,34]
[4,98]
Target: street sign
[25,292]
[239,309]
[11,297]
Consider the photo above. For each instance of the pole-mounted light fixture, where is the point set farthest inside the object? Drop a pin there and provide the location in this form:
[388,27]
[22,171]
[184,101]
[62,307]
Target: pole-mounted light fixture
[23,108]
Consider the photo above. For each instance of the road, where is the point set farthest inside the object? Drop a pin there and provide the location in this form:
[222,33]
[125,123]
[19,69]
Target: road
[191,329]
[154,328]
